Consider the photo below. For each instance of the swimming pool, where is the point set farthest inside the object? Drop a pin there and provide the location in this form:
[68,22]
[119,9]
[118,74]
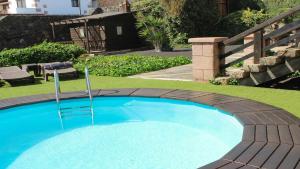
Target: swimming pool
[128,133]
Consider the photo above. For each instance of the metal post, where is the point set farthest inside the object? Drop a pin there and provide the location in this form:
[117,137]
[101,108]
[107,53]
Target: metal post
[89,91]
[57,95]
[53,31]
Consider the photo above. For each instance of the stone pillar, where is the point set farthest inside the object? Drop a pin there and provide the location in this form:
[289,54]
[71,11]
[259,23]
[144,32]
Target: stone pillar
[206,62]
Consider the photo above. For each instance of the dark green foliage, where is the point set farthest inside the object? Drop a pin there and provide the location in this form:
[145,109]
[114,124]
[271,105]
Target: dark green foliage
[236,5]
[42,53]
[214,82]
[238,65]
[295,75]
[231,25]
[4,84]
[234,82]
[276,7]
[120,66]
[198,17]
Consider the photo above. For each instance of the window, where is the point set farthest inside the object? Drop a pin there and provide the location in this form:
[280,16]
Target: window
[81,32]
[75,3]
[94,3]
[21,4]
[119,30]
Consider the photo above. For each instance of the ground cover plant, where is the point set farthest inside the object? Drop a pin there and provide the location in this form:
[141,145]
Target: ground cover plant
[120,66]
[41,53]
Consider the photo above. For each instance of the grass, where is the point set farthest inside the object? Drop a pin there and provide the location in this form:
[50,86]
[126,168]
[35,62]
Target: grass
[285,99]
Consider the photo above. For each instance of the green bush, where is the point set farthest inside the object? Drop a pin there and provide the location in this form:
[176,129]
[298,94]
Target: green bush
[231,25]
[253,17]
[42,53]
[120,66]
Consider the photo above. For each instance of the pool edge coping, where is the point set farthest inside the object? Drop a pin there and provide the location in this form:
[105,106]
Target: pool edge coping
[264,125]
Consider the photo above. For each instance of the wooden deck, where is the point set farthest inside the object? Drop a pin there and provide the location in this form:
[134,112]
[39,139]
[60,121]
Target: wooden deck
[271,138]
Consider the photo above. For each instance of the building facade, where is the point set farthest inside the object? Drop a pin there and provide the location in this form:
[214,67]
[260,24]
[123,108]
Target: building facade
[48,7]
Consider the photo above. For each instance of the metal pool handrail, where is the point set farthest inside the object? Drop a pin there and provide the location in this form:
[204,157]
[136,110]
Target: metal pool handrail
[58,95]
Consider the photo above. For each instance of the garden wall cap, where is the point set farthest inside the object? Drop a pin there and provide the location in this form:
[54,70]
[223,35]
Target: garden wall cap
[207,39]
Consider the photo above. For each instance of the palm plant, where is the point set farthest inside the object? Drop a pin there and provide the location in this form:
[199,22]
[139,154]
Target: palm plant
[153,29]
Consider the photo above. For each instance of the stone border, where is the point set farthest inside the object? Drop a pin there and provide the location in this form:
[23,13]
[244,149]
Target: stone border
[271,137]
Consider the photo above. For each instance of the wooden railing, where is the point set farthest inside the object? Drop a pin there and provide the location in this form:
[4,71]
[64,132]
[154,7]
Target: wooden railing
[263,42]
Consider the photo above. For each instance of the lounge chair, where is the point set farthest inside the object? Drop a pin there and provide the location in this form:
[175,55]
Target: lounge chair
[14,74]
[63,69]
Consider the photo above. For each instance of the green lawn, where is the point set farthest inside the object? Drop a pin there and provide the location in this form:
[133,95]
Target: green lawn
[288,100]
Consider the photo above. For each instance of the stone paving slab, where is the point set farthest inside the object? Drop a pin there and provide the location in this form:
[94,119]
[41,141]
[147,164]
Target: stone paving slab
[271,137]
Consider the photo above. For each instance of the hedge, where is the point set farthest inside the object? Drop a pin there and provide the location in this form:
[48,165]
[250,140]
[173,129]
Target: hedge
[120,66]
[42,53]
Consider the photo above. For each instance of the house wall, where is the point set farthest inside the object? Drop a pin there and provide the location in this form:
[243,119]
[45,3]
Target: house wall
[52,7]
[129,38]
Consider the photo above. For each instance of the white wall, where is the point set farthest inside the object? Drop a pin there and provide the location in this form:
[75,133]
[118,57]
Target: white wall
[51,7]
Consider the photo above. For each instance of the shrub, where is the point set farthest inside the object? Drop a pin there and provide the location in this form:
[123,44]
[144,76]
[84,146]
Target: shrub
[153,29]
[253,17]
[120,66]
[231,25]
[4,84]
[234,82]
[42,53]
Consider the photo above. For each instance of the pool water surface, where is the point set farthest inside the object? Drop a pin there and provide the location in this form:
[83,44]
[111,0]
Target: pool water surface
[128,133]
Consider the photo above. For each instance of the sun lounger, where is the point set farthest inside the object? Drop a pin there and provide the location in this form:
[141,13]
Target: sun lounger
[63,69]
[14,75]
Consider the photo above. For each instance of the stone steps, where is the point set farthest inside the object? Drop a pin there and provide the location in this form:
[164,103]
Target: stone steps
[269,68]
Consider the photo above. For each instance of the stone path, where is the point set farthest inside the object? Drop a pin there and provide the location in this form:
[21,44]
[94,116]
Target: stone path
[180,73]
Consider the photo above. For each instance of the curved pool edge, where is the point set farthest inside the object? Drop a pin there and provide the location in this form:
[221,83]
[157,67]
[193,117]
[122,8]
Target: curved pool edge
[271,136]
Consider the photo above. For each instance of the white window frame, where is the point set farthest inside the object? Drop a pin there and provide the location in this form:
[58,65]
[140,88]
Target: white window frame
[21,3]
[119,30]
[75,3]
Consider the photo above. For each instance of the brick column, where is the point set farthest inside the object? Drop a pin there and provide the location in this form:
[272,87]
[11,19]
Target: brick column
[206,62]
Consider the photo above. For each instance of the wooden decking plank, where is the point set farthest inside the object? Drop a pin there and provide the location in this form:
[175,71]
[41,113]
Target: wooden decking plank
[261,133]
[249,133]
[298,166]
[232,166]
[295,132]
[250,152]
[116,92]
[263,155]
[151,92]
[273,134]
[184,94]
[265,119]
[284,116]
[244,119]
[237,151]
[256,120]
[247,167]
[216,99]
[216,164]
[276,158]
[291,159]
[274,118]
[285,135]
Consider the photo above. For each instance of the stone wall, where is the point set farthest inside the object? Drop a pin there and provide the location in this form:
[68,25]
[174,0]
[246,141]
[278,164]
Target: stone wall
[115,5]
[17,31]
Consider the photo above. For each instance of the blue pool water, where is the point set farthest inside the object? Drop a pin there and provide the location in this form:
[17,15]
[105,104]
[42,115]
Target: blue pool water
[128,133]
